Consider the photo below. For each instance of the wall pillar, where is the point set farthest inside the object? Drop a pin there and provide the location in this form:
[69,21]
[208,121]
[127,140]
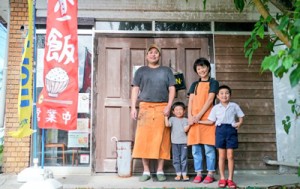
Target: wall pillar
[16,154]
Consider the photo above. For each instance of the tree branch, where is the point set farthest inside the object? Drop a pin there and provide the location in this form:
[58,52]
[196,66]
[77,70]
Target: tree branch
[273,25]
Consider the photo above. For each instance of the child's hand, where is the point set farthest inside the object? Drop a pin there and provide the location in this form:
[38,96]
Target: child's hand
[237,125]
[186,128]
[167,124]
[197,118]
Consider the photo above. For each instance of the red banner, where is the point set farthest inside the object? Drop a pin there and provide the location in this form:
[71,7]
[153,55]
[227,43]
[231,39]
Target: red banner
[57,103]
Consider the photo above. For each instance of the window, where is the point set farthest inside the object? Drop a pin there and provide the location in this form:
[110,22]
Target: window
[182,26]
[126,26]
[235,26]
[69,148]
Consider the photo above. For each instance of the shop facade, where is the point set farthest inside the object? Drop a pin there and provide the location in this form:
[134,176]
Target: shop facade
[113,37]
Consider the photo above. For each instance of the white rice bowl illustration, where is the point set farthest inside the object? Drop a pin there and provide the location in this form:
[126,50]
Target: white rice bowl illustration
[57,81]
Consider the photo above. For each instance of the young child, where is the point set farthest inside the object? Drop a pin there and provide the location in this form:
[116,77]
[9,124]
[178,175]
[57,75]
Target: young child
[224,116]
[178,123]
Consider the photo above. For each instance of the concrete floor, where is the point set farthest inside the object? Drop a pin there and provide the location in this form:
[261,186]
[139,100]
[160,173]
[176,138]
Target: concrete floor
[255,179]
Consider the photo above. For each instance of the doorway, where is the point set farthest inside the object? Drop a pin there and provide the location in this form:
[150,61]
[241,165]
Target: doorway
[115,62]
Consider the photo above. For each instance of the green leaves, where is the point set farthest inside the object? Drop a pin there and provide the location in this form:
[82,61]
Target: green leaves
[286,124]
[204,4]
[295,76]
[270,63]
[295,108]
[239,5]
[283,22]
[286,60]
[261,31]
[252,44]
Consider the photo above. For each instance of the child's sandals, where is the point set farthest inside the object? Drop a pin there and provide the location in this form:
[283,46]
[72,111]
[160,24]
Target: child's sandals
[177,178]
[231,184]
[185,178]
[222,183]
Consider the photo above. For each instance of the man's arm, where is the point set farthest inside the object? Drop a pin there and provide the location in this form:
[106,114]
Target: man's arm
[172,92]
[134,94]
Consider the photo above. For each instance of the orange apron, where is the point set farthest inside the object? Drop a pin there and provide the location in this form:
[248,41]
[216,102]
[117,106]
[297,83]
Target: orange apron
[200,133]
[152,137]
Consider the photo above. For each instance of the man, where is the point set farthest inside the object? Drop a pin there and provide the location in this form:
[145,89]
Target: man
[153,87]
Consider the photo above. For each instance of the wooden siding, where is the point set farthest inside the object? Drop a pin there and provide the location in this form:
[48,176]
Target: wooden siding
[253,91]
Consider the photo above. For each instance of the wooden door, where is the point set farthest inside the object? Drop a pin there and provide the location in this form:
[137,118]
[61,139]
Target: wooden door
[117,58]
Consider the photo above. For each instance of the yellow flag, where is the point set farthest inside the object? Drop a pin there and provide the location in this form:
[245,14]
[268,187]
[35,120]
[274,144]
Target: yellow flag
[25,92]
[22,132]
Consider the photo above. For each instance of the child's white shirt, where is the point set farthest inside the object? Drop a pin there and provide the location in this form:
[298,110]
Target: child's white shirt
[225,115]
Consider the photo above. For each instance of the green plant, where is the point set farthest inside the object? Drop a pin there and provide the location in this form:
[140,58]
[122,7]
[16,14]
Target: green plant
[295,109]
[287,59]
[286,28]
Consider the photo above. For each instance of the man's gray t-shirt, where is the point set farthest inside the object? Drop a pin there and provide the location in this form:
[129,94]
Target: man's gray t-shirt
[178,135]
[154,83]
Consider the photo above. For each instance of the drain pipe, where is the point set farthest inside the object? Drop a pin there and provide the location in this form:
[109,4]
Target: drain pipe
[267,160]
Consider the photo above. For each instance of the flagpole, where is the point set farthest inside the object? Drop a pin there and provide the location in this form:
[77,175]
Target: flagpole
[34,85]
[43,148]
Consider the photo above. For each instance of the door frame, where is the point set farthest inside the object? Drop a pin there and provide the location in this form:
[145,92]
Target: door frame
[95,70]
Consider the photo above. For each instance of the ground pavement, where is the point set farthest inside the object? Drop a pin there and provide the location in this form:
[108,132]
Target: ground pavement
[245,179]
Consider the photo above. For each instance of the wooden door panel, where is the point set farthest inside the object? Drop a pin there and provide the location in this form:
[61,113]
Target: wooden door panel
[116,58]
[112,129]
[113,70]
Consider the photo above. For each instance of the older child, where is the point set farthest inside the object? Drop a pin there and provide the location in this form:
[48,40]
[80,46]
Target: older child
[178,123]
[201,98]
[224,116]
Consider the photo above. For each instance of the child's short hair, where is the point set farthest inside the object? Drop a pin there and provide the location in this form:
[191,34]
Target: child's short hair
[224,87]
[177,104]
[201,62]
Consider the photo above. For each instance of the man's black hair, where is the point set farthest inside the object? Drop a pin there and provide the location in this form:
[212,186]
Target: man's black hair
[177,104]
[224,87]
[201,62]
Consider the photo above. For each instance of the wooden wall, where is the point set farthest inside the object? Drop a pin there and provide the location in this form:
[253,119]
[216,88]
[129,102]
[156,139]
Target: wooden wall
[253,91]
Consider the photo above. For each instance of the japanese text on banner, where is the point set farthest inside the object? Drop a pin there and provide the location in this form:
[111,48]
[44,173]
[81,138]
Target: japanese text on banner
[57,103]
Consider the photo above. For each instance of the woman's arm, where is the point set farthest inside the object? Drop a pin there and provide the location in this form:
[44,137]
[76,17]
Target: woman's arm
[190,116]
[207,104]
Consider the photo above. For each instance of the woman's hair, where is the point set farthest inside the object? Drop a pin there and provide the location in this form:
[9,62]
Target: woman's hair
[177,104]
[201,62]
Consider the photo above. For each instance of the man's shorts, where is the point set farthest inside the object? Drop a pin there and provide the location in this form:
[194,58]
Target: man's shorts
[226,137]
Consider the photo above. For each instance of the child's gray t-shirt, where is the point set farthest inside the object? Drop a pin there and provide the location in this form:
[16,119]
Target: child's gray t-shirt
[178,136]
